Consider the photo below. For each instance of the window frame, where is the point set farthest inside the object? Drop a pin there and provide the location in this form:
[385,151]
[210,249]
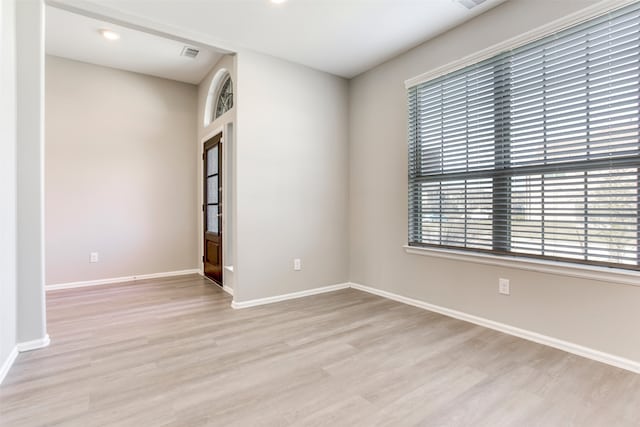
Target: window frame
[502,254]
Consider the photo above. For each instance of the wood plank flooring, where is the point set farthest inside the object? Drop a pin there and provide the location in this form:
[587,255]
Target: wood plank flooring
[172,352]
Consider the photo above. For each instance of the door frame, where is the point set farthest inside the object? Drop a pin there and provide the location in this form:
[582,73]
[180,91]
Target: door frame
[227,128]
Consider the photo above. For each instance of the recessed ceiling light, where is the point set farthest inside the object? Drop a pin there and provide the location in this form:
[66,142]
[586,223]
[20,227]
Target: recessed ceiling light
[110,35]
[278,1]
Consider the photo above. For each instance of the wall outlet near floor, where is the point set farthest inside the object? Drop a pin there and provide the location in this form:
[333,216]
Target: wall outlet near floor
[297,264]
[94,257]
[503,286]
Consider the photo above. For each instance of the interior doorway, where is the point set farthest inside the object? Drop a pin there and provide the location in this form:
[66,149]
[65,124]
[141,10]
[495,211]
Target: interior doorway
[212,208]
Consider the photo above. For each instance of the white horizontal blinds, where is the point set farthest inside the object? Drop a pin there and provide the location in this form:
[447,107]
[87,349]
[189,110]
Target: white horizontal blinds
[535,151]
[574,119]
[454,122]
[575,96]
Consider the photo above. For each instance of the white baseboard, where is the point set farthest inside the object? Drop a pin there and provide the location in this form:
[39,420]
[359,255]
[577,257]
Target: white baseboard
[227,289]
[285,297]
[99,282]
[8,363]
[20,348]
[34,345]
[569,347]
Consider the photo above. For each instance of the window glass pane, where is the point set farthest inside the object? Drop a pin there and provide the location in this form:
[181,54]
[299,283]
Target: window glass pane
[212,189]
[225,97]
[563,214]
[612,203]
[457,213]
[212,218]
[581,215]
[526,218]
[212,160]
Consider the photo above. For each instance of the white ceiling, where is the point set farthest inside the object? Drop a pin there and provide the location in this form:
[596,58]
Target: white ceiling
[342,37]
[74,36]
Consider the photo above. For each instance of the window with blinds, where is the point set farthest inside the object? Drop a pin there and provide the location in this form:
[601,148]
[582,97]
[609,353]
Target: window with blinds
[536,151]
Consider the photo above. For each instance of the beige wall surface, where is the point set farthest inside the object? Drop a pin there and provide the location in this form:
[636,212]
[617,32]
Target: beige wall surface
[120,181]
[8,199]
[602,316]
[292,178]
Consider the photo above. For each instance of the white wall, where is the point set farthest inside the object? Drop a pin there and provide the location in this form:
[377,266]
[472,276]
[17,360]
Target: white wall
[599,315]
[292,191]
[8,278]
[120,164]
[30,158]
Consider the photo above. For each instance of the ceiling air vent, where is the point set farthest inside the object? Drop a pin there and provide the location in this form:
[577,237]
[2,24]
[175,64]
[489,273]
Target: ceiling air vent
[191,52]
[470,4]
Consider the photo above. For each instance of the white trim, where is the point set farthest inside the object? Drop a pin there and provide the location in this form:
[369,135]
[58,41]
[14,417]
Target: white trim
[211,102]
[111,280]
[8,363]
[581,271]
[270,300]
[567,346]
[34,344]
[585,14]
[210,135]
[227,289]
[229,268]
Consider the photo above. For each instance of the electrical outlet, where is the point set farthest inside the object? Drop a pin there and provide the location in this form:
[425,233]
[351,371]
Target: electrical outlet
[297,264]
[503,286]
[94,257]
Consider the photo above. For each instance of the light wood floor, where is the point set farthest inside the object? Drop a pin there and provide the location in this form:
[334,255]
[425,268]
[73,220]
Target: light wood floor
[172,352]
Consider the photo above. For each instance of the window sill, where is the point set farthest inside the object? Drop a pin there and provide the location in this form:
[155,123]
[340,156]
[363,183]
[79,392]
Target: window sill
[605,274]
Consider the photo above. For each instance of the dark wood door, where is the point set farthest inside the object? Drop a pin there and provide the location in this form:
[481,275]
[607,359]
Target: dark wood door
[213,208]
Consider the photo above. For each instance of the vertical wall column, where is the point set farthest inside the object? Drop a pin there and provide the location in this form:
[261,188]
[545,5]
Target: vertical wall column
[31,330]
[7,186]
